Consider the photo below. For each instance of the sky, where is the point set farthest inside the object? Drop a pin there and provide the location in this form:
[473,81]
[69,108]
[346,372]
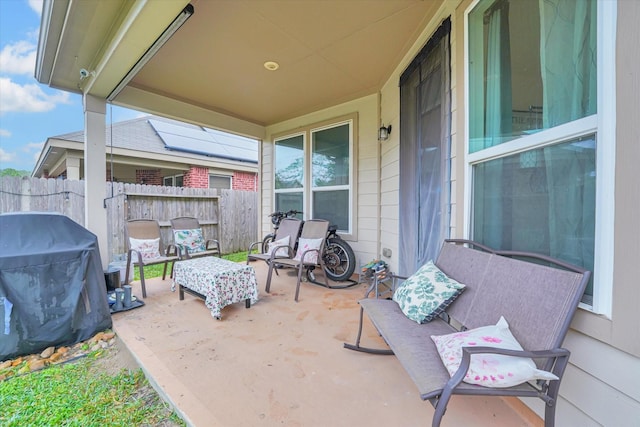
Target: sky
[29,111]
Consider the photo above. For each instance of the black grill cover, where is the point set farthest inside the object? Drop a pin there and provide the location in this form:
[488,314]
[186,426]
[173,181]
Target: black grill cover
[52,286]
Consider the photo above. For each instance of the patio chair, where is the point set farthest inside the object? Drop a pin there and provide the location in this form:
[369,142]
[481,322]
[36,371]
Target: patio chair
[189,239]
[308,254]
[145,247]
[282,245]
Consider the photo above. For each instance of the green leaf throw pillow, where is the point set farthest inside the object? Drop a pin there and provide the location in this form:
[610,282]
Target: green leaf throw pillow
[190,240]
[427,293]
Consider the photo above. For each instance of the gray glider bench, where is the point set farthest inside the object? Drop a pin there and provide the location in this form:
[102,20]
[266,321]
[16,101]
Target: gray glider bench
[537,296]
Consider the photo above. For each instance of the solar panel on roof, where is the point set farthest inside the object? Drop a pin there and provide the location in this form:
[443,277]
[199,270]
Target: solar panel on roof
[208,142]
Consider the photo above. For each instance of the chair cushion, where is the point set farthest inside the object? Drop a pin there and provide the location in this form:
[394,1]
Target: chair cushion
[282,252]
[426,293]
[191,240]
[149,248]
[489,370]
[305,245]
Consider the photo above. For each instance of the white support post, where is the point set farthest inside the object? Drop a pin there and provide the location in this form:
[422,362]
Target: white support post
[95,172]
[73,168]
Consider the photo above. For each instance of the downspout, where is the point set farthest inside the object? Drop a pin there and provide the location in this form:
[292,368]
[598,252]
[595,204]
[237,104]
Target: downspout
[379,190]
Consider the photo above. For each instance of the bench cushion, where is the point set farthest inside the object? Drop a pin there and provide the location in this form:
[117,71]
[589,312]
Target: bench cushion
[411,342]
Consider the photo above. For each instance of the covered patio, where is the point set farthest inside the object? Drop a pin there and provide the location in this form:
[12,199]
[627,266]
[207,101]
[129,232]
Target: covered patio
[338,81]
[282,363]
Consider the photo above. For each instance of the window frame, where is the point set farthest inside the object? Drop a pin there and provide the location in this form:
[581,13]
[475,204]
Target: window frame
[305,166]
[348,187]
[173,179]
[602,124]
[218,175]
[307,189]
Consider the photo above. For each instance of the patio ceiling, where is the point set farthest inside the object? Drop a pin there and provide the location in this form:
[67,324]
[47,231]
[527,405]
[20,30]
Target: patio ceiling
[329,51]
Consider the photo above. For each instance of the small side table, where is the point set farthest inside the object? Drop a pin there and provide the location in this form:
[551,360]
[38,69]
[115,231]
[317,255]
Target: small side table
[380,278]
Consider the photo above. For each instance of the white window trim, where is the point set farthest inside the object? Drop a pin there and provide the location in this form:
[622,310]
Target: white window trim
[305,174]
[603,124]
[605,159]
[350,187]
[307,189]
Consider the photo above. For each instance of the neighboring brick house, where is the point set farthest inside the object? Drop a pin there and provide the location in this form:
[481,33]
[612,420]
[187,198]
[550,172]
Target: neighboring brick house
[157,151]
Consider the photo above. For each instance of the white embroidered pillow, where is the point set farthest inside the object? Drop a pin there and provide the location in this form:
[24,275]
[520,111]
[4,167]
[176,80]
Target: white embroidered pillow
[306,245]
[281,252]
[191,240]
[427,293]
[489,370]
[149,248]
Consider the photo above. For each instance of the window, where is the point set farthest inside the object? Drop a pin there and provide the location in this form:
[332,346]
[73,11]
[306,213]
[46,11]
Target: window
[536,135]
[330,174]
[314,173]
[173,181]
[289,173]
[220,182]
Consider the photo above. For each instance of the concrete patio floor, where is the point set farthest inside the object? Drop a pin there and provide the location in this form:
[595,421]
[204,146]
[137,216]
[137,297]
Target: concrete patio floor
[283,363]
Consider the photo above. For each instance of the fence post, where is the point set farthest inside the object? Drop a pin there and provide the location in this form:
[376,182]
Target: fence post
[25,195]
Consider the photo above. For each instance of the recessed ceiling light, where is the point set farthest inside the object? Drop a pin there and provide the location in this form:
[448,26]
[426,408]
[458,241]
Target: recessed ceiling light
[271,65]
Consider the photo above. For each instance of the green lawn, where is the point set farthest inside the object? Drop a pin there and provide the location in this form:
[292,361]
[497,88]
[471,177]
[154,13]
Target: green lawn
[81,394]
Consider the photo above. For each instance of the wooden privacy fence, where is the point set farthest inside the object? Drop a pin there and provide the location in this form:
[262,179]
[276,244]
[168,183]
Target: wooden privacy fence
[229,216]
[19,194]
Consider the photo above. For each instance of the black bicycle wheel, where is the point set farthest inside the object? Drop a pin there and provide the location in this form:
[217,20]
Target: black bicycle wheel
[339,259]
[265,242]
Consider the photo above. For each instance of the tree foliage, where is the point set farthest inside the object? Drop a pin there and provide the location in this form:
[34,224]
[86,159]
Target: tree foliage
[14,172]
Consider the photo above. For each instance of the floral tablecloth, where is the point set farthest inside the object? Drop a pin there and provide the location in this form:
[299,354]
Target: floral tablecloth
[221,282]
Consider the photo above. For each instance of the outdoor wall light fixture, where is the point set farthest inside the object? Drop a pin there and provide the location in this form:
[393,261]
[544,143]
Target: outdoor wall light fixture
[155,47]
[384,132]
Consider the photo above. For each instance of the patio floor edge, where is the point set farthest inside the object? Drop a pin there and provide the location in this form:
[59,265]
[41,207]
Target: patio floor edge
[167,385]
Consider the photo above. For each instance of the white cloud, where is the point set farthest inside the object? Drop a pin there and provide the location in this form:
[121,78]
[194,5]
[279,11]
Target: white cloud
[34,35]
[36,5]
[28,98]
[5,133]
[33,146]
[18,58]
[6,157]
